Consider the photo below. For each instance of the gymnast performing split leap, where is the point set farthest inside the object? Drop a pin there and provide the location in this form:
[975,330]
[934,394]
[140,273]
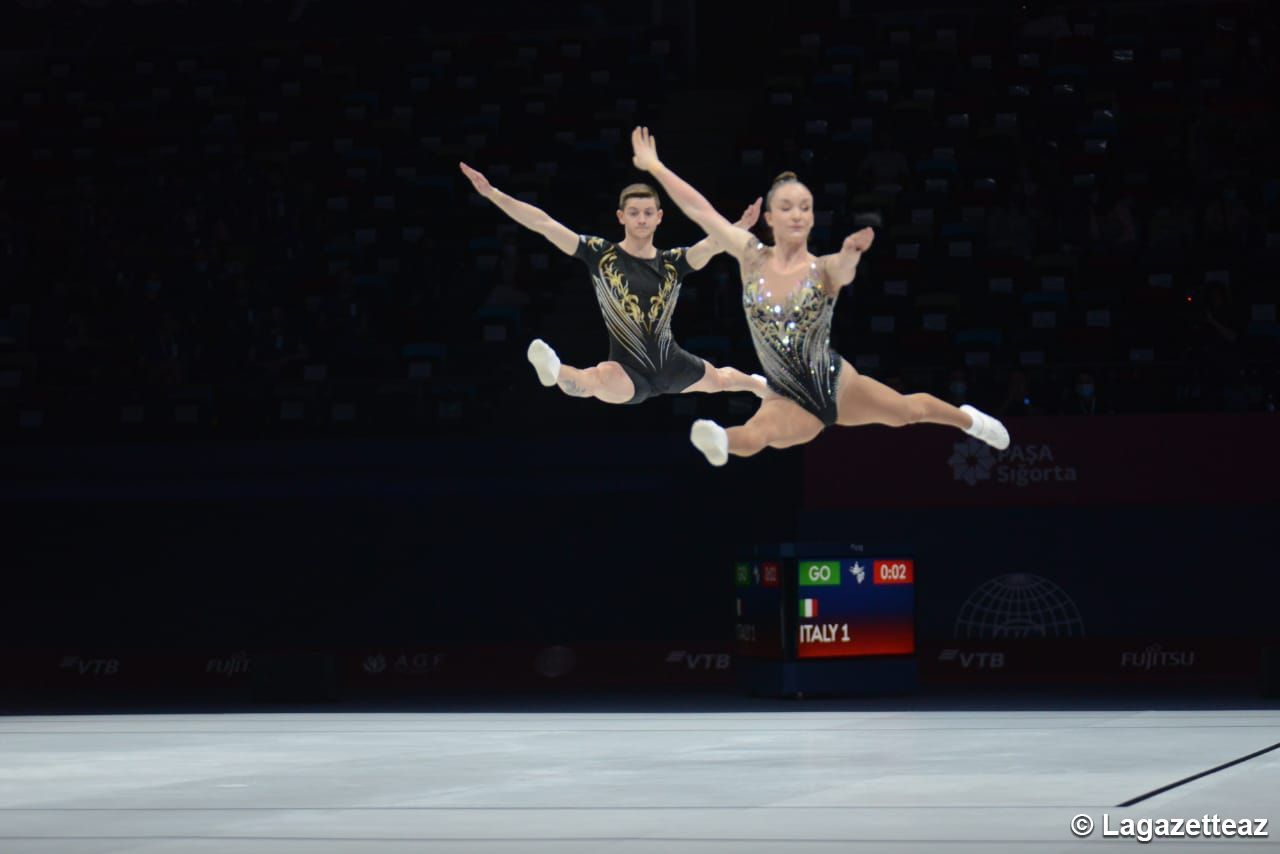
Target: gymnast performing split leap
[789,295]
[637,286]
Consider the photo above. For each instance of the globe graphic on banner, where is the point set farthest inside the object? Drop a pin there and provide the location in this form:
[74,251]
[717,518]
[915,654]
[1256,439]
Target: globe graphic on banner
[1019,605]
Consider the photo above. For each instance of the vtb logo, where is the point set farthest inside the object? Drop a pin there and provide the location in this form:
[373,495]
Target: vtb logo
[90,666]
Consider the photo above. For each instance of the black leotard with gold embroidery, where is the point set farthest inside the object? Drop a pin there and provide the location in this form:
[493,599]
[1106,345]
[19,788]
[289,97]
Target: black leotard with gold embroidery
[637,297]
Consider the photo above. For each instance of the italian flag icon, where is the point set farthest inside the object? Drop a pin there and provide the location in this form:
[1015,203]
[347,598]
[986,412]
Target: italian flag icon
[808,607]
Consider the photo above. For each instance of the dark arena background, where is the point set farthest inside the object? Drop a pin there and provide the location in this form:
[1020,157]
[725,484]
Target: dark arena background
[299,555]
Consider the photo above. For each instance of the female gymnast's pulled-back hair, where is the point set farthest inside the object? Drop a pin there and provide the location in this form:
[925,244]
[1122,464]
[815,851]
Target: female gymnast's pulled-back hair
[783,178]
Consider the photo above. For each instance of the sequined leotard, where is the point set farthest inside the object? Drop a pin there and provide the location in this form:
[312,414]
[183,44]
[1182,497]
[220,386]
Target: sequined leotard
[793,338]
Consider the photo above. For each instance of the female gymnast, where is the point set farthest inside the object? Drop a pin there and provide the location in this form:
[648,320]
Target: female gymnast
[789,295]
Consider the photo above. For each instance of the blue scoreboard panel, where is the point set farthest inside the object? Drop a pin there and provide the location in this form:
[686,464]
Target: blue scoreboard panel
[855,606]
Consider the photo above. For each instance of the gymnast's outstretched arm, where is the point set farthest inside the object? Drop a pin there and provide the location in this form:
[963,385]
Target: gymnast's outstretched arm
[708,247]
[843,265]
[733,239]
[532,218]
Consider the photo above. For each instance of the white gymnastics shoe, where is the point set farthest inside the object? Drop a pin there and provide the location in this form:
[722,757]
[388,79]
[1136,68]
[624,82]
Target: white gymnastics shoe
[710,438]
[986,428]
[544,361]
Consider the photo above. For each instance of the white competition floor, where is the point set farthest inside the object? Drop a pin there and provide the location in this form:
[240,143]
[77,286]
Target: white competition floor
[763,776]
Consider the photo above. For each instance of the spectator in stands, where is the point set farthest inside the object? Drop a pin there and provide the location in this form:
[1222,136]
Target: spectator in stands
[1170,230]
[1219,327]
[1227,220]
[957,388]
[1082,397]
[1019,398]
[1111,226]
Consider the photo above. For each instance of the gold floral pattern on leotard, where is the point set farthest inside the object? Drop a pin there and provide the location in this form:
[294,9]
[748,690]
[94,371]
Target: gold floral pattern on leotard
[792,338]
[628,303]
[627,321]
[659,308]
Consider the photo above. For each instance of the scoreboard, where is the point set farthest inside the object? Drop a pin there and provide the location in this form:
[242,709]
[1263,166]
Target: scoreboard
[758,631]
[819,604]
[855,606]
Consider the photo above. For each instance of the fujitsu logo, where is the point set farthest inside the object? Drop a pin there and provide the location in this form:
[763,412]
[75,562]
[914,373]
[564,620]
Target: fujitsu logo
[236,664]
[1156,656]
